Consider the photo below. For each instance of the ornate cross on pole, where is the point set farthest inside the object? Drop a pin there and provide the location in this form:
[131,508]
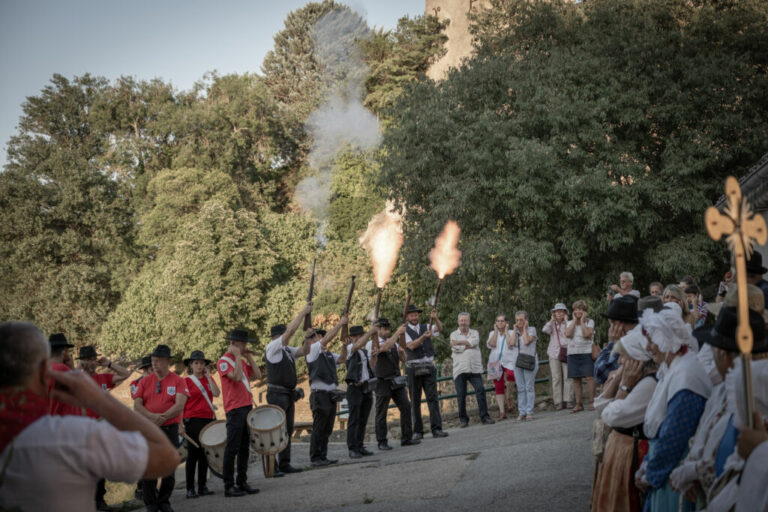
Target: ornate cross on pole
[743,228]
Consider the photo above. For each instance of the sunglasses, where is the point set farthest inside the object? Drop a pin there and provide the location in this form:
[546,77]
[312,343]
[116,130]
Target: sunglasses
[158,388]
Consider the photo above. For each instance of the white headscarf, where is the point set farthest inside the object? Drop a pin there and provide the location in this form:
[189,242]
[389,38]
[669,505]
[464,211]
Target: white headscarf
[667,329]
[634,344]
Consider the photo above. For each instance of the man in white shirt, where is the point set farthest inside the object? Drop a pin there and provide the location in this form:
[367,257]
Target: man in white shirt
[468,367]
[53,463]
[280,359]
[323,382]
[359,389]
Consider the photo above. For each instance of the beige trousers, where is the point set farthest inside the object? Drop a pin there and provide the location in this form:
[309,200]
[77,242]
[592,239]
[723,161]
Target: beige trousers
[562,386]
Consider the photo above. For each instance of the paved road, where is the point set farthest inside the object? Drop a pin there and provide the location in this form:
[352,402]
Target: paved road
[544,464]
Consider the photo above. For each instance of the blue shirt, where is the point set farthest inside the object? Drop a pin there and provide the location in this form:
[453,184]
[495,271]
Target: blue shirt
[726,447]
[605,363]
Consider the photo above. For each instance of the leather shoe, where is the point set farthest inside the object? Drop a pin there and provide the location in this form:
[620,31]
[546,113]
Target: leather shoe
[102,505]
[320,463]
[165,507]
[384,446]
[464,424]
[488,421]
[278,474]
[410,442]
[331,461]
[234,492]
[439,433]
[247,488]
[365,451]
[290,469]
[355,455]
[204,491]
[418,436]
[192,494]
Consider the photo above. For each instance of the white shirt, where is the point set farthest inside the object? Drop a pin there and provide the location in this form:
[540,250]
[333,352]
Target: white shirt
[408,339]
[57,461]
[527,349]
[275,350]
[508,352]
[365,375]
[707,360]
[636,293]
[466,360]
[630,411]
[578,344]
[314,352]
[753,493]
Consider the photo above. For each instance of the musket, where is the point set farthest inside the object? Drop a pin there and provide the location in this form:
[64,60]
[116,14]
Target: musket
[405,313]
[434,304]
[345,327]
[308,317]
[378,304]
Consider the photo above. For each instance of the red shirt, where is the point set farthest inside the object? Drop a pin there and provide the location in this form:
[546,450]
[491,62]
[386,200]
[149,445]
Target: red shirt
[234,393]
[55,407]
[158,403]
[197,406]
[135,387]
[106,382]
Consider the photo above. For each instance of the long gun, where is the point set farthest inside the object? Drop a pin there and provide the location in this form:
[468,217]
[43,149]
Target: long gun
[308,317]
[405,314]
[434,304]
[345,327]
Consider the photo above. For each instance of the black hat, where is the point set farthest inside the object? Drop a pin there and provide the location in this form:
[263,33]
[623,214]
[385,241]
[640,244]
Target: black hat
[321,332]
[146,362]
[723,334]
[383,322]
[161,351]
[653,302]
[58,340]
[623,309]
[86,352]
[412,309]
[277,330]
[196,355]
[755,264]
[356,330]
[239,335]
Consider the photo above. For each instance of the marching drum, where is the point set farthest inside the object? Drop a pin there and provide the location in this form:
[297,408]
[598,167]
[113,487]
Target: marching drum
[269,435]
[213,439]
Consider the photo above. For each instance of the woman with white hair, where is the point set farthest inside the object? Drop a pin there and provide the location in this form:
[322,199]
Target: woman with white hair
[622,407]
[676,406]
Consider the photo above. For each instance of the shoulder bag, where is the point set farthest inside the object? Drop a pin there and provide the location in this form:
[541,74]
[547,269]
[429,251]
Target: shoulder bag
[494,367]
[524,361]
[562,355]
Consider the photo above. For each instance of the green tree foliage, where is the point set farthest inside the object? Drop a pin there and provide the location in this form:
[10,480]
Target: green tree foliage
[585,139]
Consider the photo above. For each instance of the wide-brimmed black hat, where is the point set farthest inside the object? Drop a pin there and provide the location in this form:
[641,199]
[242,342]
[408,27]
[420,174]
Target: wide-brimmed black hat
[623,309]
[321,332]
[239,335]
[86,352]
[196,355]
[356,330]
[58,340]
[277,330]
[723,334]
[755,264]
[383,322]
[412,309]
[161,351]
[146,362]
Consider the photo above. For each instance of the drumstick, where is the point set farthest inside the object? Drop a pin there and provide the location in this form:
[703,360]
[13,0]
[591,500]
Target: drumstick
[190,440]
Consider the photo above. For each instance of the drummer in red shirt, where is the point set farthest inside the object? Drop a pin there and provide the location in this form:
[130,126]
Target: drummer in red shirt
[198,413]
[161,397]
[236,375]
[61,361]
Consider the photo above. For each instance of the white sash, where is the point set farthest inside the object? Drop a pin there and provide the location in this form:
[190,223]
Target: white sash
[245,378]
[202,390]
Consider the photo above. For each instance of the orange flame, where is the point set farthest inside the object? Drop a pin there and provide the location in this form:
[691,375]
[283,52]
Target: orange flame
[445,257]
[383,240]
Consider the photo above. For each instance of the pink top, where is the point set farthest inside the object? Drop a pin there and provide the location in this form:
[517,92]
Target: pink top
[553,349]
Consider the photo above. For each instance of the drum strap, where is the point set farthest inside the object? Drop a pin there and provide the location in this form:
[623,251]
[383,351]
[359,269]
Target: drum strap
[245,379]
[202,390]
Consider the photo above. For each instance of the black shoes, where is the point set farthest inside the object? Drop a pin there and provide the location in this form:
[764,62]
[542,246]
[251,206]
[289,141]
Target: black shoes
[365,452]
[278,474]
[410,442]
[384,446]
[418,436]
[247,489]
[323,462]
[355,455]
[488,421]
[191,494]
[439,433]
[233,492]
[463,424]
[290,469]
[204,491]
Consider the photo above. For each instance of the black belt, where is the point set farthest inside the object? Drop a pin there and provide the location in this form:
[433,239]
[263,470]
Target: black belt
[632,432]
[279,389]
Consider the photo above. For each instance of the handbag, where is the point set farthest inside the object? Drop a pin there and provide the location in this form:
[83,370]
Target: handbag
[422,370]
[595,351]
[524,361]
[398,382]
[562,355]
[495,371]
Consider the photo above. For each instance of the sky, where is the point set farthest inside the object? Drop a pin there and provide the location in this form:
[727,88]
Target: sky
[176,40]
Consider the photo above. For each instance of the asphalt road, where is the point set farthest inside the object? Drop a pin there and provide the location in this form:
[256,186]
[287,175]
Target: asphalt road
[539,465]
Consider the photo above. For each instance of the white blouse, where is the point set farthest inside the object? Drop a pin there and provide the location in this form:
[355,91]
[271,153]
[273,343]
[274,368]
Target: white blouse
[630,411]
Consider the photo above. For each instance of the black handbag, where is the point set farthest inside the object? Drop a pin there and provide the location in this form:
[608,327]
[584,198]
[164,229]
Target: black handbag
[337,395]
[524,361]
[397,382]
[422,370]
[370,385]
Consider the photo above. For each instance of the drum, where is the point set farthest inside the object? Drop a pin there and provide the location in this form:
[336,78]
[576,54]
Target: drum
[213,439]
[269,435]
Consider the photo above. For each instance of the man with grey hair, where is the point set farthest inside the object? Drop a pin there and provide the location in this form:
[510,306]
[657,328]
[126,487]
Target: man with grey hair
[624,287]
[53,462]
[468,366]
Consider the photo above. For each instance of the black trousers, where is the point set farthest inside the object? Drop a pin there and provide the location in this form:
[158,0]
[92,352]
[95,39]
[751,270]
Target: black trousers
[152,496]
[400,396]
[323,418]
[360,405]
[237,447]
[196,456]
[428,383]
[284,400]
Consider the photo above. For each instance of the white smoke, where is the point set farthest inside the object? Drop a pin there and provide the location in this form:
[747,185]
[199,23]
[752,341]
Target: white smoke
[341,119]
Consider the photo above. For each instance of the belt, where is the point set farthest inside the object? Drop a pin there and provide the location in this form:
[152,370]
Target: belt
[423,363]
[279,389]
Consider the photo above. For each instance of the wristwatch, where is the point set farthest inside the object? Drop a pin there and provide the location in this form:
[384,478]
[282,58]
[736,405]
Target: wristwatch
[624,388]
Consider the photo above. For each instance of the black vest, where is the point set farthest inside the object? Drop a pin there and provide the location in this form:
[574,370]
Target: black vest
[282,373]
[355,366]
[323,369]
[425,349]
[388,364]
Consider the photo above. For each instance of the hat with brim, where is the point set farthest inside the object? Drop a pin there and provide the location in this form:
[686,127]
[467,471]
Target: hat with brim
[356,330]
[161,351]
[723,334]
[320,332]
[87,352]
[196,355]
[383,322]
[239,335]
[755,264]
[560,307]
[146,362]
[277,330]
[623,309]
[412,309]
[58,340]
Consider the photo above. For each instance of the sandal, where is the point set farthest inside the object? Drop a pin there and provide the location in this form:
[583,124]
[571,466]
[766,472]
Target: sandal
[577,408]
[559,407]
[591,406]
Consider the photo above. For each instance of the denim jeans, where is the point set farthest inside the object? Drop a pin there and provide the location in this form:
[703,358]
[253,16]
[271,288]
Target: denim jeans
[476,380]
[526,391]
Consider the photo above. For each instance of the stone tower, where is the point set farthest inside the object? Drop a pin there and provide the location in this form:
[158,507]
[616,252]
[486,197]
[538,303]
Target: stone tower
[459,43]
